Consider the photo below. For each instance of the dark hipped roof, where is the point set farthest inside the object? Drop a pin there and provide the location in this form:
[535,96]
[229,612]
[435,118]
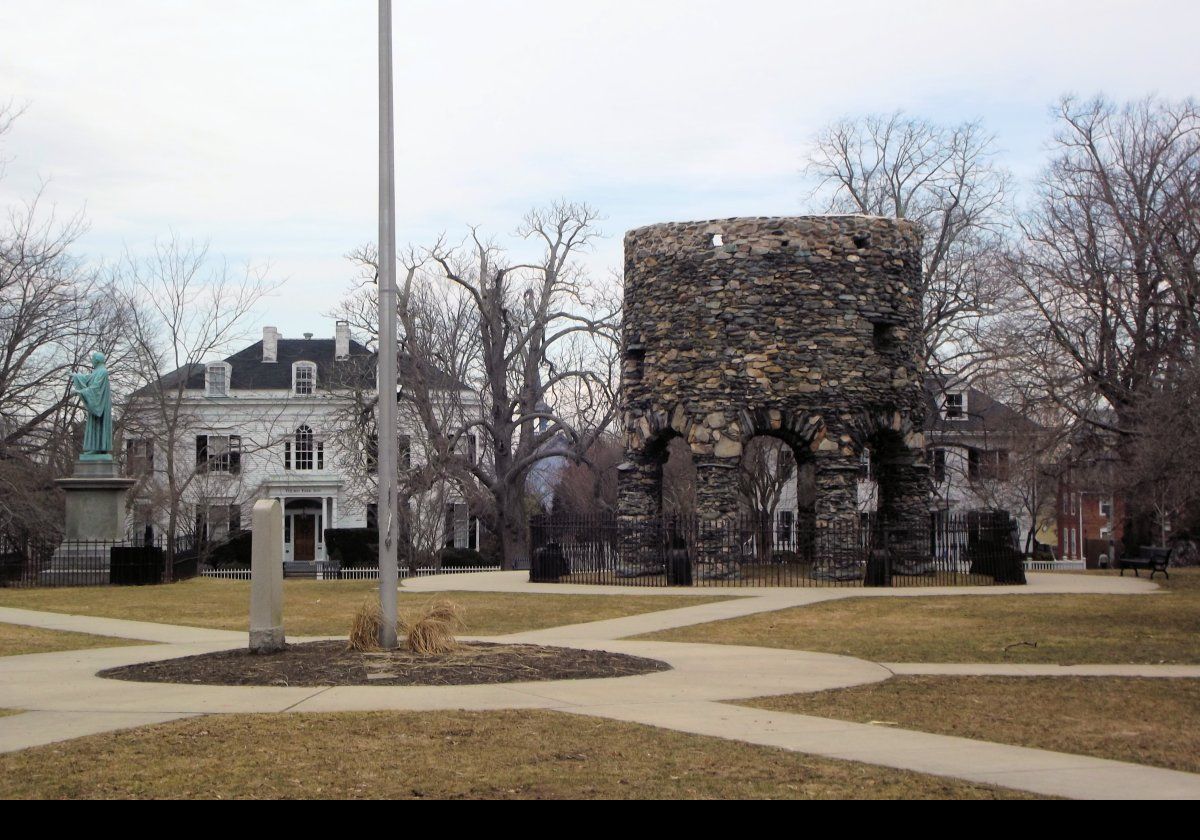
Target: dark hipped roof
[984,414]
[250,373]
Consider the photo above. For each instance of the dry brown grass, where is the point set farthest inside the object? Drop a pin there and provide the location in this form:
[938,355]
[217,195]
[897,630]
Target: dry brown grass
[1146,721]
[326,608]
[366,627]
[468,755]
[16,640]
[429,630]
[1159,628]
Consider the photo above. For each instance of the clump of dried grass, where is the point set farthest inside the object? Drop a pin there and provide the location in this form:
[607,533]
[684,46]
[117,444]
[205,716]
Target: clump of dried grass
[429,630]
[364,631]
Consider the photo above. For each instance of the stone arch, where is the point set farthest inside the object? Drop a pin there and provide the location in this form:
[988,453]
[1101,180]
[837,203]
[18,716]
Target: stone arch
[897,460]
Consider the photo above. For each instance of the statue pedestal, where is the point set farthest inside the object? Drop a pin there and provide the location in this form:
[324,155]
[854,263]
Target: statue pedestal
[95,497]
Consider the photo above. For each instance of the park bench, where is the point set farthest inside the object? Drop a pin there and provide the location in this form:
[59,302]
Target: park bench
[1149,557]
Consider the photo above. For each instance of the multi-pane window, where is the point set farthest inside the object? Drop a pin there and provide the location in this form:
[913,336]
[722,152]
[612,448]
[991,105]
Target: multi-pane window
[403,453]
[305,453]
[304,448]
[217,521]
[217,380]
[955,408]
[784,526]
[219,454]
[304,378]
[139,457]
[987,465]
[938,465]
[465,446]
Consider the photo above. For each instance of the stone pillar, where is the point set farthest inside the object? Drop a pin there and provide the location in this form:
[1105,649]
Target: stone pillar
[266,578]
[718,538]
[639,487]
[837,490]
[639,509]
[717,488]
[836,540]
[905,504]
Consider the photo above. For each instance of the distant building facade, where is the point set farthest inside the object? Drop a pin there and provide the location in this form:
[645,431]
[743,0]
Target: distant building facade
[270,422]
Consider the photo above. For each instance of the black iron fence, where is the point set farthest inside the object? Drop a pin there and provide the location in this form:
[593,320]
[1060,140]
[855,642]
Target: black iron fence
[36,561]
[750,551]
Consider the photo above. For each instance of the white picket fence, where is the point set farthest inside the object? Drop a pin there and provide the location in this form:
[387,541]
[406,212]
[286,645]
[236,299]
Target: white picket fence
[347,574]
[1055,565]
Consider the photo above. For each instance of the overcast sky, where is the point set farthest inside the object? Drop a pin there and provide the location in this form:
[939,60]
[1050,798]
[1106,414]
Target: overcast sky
[252,124]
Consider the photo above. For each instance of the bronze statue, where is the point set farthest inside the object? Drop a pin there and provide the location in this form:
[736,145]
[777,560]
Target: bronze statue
[97,399]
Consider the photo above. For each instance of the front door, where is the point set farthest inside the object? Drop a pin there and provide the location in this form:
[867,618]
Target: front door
[304,537]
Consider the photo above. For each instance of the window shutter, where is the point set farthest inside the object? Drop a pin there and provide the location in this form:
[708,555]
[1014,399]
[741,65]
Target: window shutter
[235,454]
[201,451]
[320,455]
[235,518]
[287,455]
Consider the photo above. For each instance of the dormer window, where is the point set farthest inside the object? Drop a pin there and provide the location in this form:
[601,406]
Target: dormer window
[216,379]
[955,406]
[304,378]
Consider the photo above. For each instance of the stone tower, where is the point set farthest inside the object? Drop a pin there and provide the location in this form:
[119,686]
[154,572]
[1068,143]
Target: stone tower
[802,328]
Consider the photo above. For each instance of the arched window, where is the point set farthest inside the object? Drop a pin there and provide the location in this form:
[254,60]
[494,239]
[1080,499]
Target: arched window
[305,452]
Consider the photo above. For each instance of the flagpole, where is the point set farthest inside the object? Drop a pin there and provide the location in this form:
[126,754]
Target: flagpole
[389,572]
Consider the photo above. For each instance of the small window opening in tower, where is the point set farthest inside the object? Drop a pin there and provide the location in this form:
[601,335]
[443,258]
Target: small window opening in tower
[635,362]
[884,336]
[718,240]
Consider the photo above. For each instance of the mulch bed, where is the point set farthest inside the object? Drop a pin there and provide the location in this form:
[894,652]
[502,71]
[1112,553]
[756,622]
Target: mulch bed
[333,663]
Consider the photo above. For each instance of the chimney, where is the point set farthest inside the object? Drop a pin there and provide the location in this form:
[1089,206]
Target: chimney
[341,340]
[270,344]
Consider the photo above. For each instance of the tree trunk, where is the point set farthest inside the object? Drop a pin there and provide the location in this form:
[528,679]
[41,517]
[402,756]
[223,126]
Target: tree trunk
[514,531]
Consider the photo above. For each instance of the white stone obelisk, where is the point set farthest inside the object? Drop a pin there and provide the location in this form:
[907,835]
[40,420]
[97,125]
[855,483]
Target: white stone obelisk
[266,577]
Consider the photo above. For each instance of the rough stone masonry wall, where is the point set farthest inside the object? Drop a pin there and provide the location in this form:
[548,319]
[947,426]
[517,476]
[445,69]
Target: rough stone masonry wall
[805,328]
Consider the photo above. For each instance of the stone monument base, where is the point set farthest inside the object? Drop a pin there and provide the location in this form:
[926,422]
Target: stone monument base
[95,496]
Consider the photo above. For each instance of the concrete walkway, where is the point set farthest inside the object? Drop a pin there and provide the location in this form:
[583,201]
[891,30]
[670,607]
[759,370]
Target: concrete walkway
[66,699]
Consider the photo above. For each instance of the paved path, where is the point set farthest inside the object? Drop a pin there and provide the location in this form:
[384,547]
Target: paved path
[66,699]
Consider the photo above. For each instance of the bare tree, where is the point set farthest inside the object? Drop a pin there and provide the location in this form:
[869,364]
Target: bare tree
[503,364]
[679,480]
[946,179]
[767,468]
[588,488]
[183,309]
[54,312]
[1108,266]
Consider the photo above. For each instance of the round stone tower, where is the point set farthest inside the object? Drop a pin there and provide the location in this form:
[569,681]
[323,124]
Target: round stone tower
[802,328]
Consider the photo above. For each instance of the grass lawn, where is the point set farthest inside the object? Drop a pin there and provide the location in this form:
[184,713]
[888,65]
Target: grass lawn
[325,608]
[7,712]
[470,755]
[16,639]
[1159,628]
[1146,721]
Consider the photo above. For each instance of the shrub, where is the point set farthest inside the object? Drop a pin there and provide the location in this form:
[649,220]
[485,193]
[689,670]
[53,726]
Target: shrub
[461,558]
[430,630]
[231,552]
[353,547]
[364,631]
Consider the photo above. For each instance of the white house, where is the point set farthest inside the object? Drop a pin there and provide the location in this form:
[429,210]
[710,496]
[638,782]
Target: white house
[272,421]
